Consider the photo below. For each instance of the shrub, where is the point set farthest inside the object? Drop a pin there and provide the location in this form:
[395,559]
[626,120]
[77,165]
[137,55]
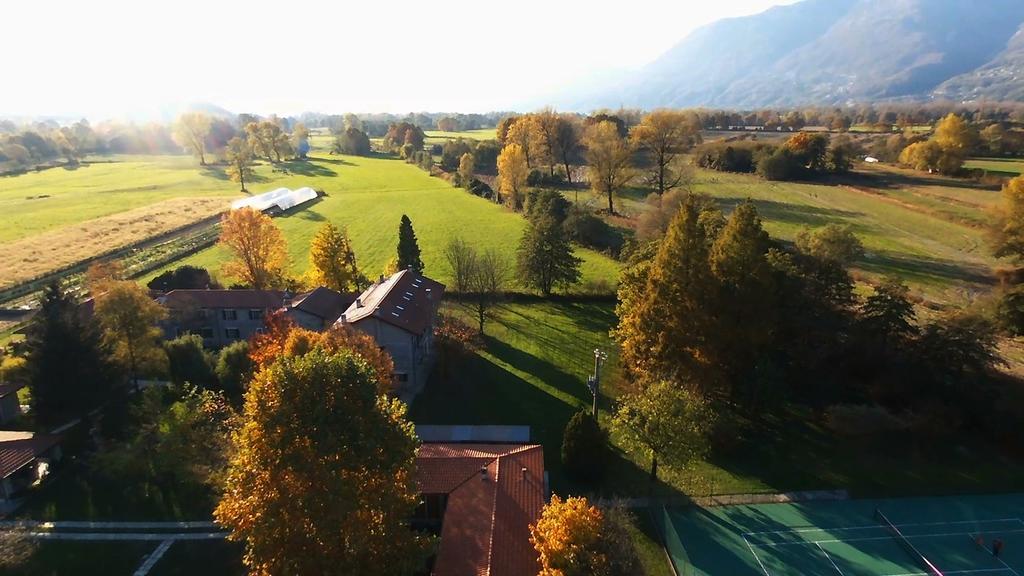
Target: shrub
[584,449]
[584,227]
[234,368]
[190,362]
[781,164]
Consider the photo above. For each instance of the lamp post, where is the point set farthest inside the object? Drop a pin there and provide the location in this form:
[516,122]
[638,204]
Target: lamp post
[594,381]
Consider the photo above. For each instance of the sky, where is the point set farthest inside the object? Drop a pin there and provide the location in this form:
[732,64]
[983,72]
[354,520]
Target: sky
[134,58]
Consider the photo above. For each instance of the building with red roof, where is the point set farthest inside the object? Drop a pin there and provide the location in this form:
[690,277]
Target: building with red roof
[482,499]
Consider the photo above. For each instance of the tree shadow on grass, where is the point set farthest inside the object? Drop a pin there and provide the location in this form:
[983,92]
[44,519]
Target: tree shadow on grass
[792,213]
[332,160]
[215,172]
[309,169]
[923,267]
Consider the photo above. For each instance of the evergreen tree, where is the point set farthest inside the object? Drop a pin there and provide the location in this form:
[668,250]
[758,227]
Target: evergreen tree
[584,448]
[68,366]
[545,256]
[666,306]
[408,248]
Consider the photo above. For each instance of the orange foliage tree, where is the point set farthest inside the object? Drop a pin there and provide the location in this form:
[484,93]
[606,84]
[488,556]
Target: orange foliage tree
[260,253]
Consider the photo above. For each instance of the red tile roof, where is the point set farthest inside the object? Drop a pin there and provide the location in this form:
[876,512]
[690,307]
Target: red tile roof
[405,299]
[17,453]
[485,530]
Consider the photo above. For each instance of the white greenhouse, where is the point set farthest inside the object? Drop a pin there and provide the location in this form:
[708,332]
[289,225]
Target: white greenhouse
[282,199]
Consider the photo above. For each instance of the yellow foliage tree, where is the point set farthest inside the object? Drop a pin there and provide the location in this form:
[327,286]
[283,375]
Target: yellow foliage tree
[128,318]
[190,131]
[258,247]
[239,156]
[664,135]
[321,480]
[568,539]
[513,171]
[609,160]
[1007,232]
[526,132]
[332,261]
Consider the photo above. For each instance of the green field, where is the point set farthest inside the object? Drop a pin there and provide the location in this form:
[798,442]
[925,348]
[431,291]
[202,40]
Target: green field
[926,229]
[438,136]
[1009,167]
[59,197]
[368,197]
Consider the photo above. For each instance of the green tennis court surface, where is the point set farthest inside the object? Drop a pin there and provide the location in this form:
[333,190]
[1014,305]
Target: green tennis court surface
[849,538]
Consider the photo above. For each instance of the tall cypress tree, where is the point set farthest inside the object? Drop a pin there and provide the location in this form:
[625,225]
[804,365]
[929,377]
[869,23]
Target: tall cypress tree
[408,248]
[68,366]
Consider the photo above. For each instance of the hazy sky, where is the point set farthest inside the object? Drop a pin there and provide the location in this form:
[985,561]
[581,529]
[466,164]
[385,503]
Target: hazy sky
[105,58]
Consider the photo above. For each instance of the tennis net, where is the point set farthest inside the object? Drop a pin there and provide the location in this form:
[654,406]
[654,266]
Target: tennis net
[905,543]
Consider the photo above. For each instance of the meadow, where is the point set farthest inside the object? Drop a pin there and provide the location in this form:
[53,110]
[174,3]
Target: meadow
[368,197]
[1007,167]
[439,137]
[928,230]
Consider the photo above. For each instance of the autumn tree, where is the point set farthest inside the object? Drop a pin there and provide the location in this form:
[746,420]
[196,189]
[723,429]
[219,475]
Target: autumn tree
[574,538]
[128,319]
[545,258]
[567,142]
[239,157]
[666,303]
[513,170]
[66,361]
[466,164]
[408,247]
[835,242]
[668,422]
[609,160]
[342,338]
[319,447]
[525,133]
[190,131]
[257,138]
[333,262]
[300,140]
[258,247]
[664,135]
[1007,231]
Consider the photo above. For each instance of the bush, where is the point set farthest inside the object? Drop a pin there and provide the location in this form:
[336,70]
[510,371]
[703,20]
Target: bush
[729,156]
[190,362]
[584,449]
[234,368]
[585,228]
[1010,311]
[183,278]
[778,165]
[480,188]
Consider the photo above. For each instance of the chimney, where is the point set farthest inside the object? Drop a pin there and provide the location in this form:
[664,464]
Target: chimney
[380,280]
[483,473]
[342,319]
[359,302]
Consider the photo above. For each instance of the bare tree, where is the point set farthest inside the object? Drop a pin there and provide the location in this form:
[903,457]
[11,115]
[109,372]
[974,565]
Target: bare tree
[489,281]
[462,261]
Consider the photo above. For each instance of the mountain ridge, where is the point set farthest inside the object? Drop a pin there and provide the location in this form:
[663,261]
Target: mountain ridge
[836,52]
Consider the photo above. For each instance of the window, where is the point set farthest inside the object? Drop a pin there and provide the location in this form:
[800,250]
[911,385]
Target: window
[206,332]
[228,314]
[255,314]
[203,313]
[232,333]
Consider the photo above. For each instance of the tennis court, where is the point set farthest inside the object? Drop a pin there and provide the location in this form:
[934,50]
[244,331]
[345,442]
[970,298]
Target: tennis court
[894,537]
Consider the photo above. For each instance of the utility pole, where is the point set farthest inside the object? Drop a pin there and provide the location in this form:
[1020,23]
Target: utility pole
[594,381]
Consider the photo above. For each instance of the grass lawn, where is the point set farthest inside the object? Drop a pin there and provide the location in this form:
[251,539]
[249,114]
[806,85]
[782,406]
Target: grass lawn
[1009,167]
[75,494]
[438,136]
[369,195]
[534,370]
[925,229]
[71,558]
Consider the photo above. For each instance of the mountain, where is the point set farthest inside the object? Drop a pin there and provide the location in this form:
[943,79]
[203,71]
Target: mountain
[835,52]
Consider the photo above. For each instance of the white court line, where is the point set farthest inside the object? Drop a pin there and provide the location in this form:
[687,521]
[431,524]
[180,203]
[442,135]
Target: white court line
[831,561]
[153,558]
[975,571]
[756,557]
[889,537]
[1014,572]
[868,527]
